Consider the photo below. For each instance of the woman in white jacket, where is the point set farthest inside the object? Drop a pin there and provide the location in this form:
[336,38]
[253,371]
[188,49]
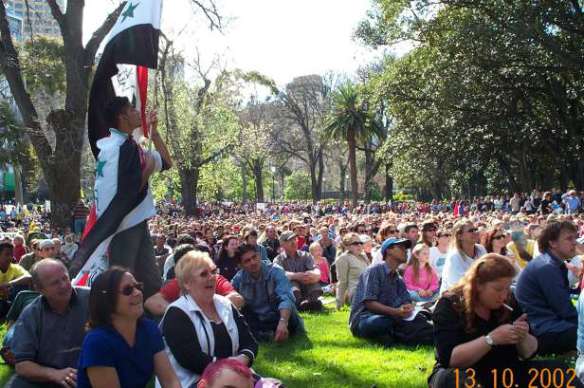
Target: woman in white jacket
[201,327]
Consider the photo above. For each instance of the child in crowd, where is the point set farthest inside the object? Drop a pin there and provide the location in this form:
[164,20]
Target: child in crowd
[420,278]
[321,263]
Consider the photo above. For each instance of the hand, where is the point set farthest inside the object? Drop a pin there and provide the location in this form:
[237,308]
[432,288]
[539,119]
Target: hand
[405,310]
[241,358]
[66,378]
[521,327]
[5,289]
[152,120]
[281,332]
[149,163]
[505,335]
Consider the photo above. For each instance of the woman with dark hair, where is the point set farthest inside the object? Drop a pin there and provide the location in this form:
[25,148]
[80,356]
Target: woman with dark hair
[482,336]
[225,260]
[496,241]
[122,349]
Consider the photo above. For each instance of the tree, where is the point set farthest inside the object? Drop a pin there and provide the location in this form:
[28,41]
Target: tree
[199,122]
[350,120]
[60,162]
[297,186]
[255,138]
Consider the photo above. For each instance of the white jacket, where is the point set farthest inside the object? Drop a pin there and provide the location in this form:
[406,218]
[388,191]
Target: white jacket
[204,332]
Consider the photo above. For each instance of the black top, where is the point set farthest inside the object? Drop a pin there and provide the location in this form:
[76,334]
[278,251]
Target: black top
[228,266]
[181,337]
[450,331]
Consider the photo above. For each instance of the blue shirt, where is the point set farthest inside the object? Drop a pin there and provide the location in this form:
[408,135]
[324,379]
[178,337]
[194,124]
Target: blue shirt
[105,347]
[543,292]
[377,283]
[268,293]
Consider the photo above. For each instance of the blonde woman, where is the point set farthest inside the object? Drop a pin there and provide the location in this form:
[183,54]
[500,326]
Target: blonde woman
[349,266]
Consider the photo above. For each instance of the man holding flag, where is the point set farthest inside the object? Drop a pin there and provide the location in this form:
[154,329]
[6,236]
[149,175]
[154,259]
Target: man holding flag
[117,231]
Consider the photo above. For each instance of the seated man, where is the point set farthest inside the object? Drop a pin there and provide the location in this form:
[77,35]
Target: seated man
[49,332]
[543,290]
[157,303]
[301,272]
[13,278]
[269,308]
[382,308]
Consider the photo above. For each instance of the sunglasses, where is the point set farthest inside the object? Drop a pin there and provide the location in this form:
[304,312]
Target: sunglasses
[207,273]
[445,235]
[357,243]
[129,289]
[498,237]
[472,230]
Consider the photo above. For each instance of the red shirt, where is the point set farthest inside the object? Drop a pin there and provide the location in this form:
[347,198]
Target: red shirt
[171,291]
[18,252]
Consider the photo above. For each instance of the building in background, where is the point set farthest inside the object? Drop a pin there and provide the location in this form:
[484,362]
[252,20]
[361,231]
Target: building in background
[38,17]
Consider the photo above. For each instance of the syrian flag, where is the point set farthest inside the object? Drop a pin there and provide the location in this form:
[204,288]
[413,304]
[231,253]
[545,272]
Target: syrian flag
[134,41]
[120,203]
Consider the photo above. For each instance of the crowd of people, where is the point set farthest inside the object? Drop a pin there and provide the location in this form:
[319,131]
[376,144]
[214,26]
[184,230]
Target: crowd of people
[488,288]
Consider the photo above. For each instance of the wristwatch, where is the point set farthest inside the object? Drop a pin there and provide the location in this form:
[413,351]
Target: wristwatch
[489,340]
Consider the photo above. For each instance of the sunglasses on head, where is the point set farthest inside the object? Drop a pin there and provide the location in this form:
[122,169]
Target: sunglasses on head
[129,289]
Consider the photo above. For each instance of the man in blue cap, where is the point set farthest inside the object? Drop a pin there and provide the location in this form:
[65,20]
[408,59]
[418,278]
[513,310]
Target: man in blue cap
[382,308]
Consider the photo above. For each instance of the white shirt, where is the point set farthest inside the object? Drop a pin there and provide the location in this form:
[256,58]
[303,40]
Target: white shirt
[456,265]
[437,260]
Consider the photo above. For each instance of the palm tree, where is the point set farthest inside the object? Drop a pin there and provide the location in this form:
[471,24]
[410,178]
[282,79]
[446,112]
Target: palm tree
[350,121]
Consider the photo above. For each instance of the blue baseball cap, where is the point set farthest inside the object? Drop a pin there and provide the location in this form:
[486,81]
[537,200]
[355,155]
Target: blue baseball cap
[394,241]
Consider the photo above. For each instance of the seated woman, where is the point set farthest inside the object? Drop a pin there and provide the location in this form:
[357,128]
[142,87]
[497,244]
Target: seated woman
[349,266]
[420,278]
[122,349]
[480,331]
[321,263]
[201,326]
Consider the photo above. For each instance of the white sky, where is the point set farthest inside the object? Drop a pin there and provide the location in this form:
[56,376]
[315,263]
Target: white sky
[279,38]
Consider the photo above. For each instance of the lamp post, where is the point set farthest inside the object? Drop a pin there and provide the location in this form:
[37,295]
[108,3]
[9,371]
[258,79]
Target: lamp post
[273,184]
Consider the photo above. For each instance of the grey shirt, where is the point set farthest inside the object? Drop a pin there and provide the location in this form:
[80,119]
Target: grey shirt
[302,262]
[50,339]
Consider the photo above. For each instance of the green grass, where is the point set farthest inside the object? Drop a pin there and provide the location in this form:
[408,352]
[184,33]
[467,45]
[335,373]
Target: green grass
[329,356]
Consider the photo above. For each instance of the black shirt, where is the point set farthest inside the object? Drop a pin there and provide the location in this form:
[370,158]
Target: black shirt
[449,332]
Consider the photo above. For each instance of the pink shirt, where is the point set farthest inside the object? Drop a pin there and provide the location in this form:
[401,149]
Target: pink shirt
[324,270]
[425,280]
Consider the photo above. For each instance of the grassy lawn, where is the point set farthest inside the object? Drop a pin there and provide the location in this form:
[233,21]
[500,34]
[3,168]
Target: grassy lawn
[330,357]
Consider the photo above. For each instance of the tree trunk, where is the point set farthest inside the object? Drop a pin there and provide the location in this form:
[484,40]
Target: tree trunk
[189,181]
[244,184]
[353,166]
[258,180]
[388,192]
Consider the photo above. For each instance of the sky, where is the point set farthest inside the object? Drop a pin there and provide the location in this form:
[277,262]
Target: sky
[282,39]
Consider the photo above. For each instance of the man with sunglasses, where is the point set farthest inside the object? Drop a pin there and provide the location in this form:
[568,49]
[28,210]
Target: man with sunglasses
[269,309]
[50,330]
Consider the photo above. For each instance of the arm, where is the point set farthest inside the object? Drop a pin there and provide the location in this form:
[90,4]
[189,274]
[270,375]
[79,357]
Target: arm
[434,284]
[32,371]
[103,377]
[556,294]
[379,308]
[469,353]
[282,328]
[159,145]
[409,279]
[236,299]
[164,371]
[342,268]
[156,304]
[181,338]
[248,347]
[23,280]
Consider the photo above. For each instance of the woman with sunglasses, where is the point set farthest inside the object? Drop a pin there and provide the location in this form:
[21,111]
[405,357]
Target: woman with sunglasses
[482,337]
[438,253]
[201,326]
[349,266]
[463,252]
[122,349]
